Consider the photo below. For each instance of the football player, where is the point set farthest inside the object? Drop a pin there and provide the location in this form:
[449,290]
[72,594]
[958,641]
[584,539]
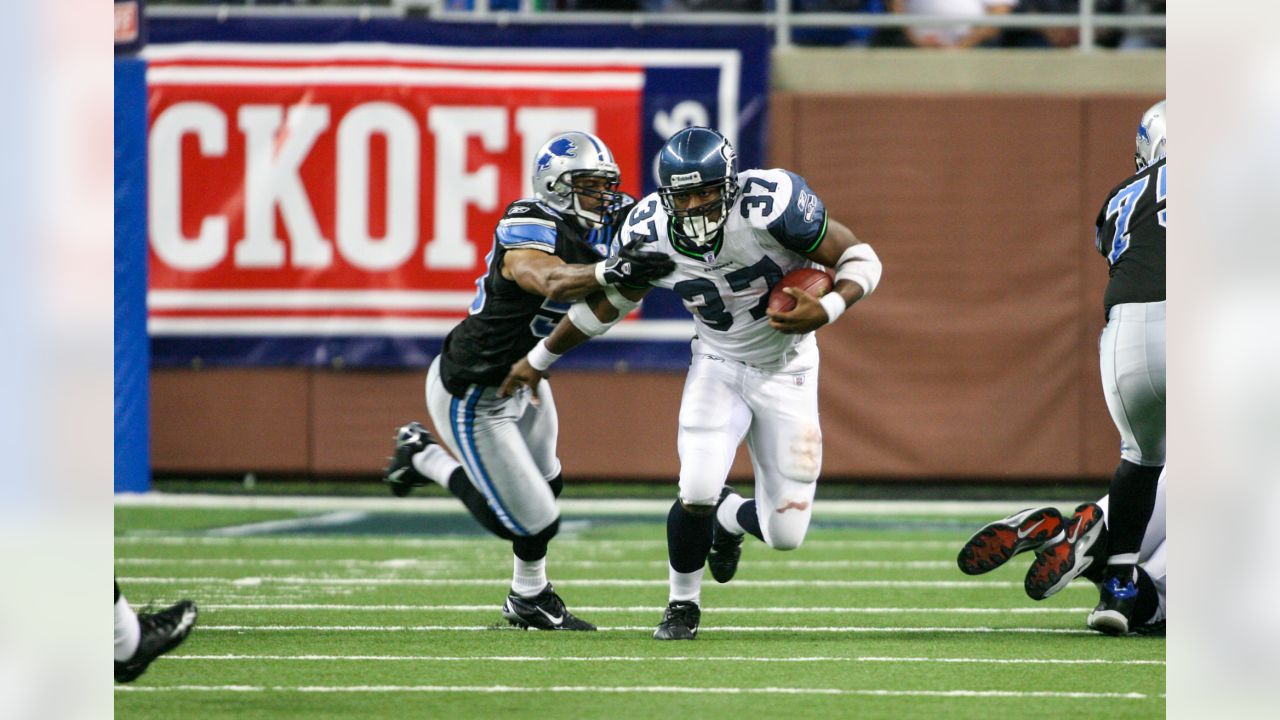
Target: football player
[143,638]
[754,371]
[556,247]
[1131,236]
[1076,547]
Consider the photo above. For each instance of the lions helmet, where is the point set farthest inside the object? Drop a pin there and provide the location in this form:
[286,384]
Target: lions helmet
[692,161]
[567,157]
[1151,136]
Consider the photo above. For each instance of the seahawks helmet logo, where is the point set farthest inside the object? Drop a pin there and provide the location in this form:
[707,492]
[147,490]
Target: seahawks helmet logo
[564,147]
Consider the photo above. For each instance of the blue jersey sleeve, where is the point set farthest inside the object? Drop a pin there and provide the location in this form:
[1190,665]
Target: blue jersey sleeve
[803,223]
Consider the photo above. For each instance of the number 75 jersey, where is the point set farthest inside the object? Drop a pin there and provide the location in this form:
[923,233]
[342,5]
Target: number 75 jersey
[725,285]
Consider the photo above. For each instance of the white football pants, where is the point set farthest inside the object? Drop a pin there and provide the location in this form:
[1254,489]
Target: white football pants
[777,412]
[1131,351]
[507,446]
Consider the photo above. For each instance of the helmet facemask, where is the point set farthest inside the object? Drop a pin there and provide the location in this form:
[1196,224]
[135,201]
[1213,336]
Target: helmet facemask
[699,222]
[600,197]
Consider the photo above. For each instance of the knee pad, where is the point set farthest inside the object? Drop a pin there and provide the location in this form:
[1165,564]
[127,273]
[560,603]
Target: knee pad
[557,484]
[534,547]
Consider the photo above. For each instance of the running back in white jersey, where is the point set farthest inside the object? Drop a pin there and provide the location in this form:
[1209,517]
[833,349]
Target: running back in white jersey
[725,286]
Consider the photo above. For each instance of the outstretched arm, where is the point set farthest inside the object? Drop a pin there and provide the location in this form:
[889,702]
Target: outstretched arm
[585,320]
[857,274]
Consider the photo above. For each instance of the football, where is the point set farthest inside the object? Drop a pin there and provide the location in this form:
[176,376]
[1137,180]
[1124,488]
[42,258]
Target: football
[812,280]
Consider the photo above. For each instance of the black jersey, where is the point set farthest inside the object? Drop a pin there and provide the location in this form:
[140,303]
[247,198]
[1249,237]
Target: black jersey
[506,321]
[1130,235]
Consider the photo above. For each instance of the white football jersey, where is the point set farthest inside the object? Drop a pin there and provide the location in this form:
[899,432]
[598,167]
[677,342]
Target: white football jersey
[725,285]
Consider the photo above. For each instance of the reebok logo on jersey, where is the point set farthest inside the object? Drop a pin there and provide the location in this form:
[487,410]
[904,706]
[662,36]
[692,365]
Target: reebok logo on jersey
[518,209]
[807,203]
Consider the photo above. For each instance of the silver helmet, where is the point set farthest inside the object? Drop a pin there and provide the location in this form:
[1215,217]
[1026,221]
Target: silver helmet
[569,156]
[1151,136]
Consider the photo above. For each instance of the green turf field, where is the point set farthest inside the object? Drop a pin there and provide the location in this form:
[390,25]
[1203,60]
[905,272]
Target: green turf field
[379,615]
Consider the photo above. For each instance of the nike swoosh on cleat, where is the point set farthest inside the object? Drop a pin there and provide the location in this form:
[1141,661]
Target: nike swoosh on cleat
[555,620]
[1023,534]
[395,475]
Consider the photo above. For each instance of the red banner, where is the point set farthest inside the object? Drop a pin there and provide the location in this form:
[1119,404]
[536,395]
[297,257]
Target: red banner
[354,188]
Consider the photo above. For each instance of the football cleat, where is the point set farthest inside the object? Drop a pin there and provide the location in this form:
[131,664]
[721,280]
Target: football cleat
[995,544]
[160,633]
[1115,607]
[679,622]
[544,611]
[726,548]
[400,475]
[1060,562]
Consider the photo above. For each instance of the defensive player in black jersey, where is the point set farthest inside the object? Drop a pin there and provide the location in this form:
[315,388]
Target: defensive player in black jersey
[1131,236]
[549,250]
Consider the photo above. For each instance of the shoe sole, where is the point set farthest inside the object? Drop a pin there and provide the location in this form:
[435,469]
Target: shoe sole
[1060,563]
[723,572]
[692,636]
[995,544]
[1109,622]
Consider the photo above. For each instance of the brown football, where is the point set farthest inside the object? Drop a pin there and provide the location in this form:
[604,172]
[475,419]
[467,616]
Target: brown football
[812,280]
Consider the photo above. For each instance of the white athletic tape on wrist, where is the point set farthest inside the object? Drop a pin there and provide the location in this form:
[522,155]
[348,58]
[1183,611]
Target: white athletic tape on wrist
[540,357]
[834,304]
[623,304]
[860,265]
[584,318]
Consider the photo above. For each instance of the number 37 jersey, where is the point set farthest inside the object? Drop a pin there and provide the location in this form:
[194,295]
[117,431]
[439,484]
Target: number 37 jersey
[725,285]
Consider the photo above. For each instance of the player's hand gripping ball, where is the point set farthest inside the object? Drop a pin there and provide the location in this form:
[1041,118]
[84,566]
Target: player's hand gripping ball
[812,280]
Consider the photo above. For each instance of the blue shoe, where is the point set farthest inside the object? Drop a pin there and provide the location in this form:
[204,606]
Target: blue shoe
[1115,607]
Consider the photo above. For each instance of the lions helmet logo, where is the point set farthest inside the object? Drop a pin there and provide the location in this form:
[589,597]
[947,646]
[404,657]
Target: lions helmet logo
[564,147]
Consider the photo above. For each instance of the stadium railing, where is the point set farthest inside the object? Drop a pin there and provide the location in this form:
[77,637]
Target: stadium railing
[782,18]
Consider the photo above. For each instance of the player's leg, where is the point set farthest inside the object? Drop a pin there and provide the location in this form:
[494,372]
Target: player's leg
[1148,615]
[713,419]
[1132,359]
[785,441]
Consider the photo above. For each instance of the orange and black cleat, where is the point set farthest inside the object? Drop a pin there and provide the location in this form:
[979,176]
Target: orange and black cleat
[995,544]
[1067,559]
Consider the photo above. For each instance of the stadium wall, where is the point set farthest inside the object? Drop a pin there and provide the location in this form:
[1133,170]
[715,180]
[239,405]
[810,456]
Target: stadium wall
[977,358]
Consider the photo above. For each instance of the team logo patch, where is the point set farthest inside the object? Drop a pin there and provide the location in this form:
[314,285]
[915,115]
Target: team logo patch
[564,147]
[807,203]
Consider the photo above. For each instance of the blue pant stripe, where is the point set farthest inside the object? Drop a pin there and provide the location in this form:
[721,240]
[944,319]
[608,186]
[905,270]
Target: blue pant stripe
[464,431]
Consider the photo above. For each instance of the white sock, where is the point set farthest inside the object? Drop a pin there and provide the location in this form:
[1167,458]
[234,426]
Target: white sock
[436,464]
[685,587]
[727,514]
[529,578]
[127,631]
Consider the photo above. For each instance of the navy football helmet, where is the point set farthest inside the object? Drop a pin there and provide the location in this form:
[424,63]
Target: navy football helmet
[568,157]
[693,164]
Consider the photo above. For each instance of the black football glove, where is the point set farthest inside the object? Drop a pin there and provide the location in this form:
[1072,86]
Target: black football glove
[635,266]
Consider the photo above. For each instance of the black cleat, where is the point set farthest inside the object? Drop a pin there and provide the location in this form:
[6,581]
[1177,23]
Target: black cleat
[1115,607]
[400,475]
[726,548]
[544,611]
[679,622]
[1060,562]
[995,544]
[161,632]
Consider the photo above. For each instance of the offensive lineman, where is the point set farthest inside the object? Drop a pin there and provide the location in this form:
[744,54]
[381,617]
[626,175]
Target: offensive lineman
[549,250]
[754,372]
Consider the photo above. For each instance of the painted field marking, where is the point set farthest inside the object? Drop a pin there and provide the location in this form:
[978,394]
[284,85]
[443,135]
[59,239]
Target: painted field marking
[414,564]
[644,628]
[690,658]
[651,609]
[595,689]
[487,543]
[256,581]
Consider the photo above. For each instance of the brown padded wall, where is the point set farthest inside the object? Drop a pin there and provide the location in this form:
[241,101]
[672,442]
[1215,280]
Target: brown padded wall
[977,357]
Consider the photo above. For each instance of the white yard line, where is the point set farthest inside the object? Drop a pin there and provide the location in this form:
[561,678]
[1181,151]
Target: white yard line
[653,609]
[487,542]
[570,506]
[661,690]
[257,580]
[659,658]
[413,564]
[647,629]
[327,520]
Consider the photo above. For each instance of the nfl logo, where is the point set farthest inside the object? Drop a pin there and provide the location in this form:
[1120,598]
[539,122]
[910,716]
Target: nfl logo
[799,380]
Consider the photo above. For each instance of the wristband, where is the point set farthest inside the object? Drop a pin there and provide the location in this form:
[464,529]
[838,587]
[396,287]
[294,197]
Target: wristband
[540,357]
[833,302]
